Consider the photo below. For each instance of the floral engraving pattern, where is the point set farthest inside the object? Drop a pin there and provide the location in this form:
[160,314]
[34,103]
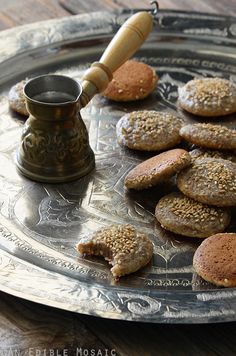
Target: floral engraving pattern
[45,146]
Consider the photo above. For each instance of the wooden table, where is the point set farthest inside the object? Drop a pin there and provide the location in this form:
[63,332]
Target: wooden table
[30,329]
[18,12]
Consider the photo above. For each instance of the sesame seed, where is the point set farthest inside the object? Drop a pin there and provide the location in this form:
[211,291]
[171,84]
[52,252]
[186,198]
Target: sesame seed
[187,208]
[204,153]
[118,238]
[150,125]
[212,93]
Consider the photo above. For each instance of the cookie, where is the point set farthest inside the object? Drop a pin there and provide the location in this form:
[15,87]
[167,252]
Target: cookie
[210,181]
[184,216]
[126,249]
[215,259]
[199,153]
[208,97]
[149,130]
[16,98]
[157,169]
[132,81]
[215,137]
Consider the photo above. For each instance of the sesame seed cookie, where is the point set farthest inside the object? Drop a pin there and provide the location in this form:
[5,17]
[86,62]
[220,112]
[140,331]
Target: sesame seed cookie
[16,98]
[126,249]
[215,259]
[199,153]
[210,181]
[215,137]
[184,216]
[157,169]
[149,130]
[132,81]
[208,97]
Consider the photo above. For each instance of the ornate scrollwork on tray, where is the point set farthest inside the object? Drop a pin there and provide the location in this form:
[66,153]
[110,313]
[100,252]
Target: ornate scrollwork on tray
[38,144]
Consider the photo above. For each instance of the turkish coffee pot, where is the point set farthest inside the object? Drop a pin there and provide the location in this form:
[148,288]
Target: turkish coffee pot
[54,145]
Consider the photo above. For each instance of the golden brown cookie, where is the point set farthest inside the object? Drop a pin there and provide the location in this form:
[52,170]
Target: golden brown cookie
[208,97]
[215,259]
[157,169]
[149,130]
[210,181]
[126,249]
[182,215]
[132,81]
[215,137]
[16,98]
[200,153]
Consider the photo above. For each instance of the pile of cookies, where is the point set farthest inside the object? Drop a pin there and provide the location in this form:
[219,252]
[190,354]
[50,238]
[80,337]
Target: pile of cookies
[205,177]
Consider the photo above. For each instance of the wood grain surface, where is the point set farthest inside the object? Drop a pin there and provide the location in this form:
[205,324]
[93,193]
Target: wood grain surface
[18,12]
[35,330]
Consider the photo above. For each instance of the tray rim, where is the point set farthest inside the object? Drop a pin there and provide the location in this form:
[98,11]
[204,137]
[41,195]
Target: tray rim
[128,311]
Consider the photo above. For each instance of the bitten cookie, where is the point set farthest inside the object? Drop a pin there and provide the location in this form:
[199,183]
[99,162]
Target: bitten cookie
[215,137]
[215,259]
[157,169]
[132,81]
[210,181]
[16,98]
[199,153]
[208,97]
[126,249]
[182,215]
[149,130]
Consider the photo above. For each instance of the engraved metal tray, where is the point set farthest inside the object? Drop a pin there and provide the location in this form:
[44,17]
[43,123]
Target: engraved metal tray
[40,224]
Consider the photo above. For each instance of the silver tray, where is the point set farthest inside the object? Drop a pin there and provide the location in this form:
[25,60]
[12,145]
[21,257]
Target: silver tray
[40,224]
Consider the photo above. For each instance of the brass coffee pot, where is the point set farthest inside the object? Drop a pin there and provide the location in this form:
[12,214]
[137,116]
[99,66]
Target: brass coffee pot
[54,145]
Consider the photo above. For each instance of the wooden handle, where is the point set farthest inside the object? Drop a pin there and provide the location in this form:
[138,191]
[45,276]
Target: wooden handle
[126,42]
